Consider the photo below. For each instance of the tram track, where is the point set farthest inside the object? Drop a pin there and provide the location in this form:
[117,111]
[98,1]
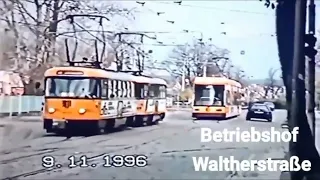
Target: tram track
[55,149]
[89,159]
[6,161]
[94,157]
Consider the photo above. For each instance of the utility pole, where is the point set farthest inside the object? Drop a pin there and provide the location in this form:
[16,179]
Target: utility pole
[183,81]
[298,106]
[200,55]
[205,64]
[185,58]
[205,69]
[310,53]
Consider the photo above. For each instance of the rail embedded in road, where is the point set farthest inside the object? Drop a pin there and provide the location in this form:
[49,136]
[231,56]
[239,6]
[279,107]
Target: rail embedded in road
[163,144]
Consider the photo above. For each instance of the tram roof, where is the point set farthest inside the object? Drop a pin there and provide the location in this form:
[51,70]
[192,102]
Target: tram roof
[159,81]
[216,81]
[100,73]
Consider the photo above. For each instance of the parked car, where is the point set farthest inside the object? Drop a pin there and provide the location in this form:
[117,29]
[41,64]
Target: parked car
[259,111]
[270,104]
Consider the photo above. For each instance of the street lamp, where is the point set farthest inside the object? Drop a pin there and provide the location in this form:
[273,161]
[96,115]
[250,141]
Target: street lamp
[183,83]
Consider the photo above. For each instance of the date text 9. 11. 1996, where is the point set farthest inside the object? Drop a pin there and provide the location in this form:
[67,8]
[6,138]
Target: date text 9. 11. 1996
[108,161]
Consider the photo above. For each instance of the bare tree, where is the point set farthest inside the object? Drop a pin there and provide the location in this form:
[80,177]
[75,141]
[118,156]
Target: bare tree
[12,52]
[270,82]
[37,29]
[35,26]
[7,49]
[216,61]
[191,59]
[235,73]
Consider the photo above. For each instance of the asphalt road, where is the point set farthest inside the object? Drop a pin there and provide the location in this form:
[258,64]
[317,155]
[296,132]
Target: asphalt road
[169,147]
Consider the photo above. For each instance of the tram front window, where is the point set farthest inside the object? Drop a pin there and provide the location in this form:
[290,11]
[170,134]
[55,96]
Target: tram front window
[73,87]
[209,95]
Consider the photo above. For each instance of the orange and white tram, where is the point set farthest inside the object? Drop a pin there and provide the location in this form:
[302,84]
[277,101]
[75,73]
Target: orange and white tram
[151,100]
[90,100]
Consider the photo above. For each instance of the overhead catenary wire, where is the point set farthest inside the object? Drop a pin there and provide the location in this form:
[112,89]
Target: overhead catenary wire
[272,35]
[200,7]
[213,8]
[110,31]
[117,31]
[94,30]
[167,3]
[146,32]
[172,3]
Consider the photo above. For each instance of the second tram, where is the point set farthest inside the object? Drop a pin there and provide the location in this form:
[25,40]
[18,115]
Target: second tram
[216,97]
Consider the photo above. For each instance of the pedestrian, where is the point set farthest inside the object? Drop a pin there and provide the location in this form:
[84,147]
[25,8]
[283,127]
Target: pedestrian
[38,89]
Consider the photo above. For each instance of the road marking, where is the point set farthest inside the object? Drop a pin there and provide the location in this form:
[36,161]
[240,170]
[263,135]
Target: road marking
[239,174]
[251,157]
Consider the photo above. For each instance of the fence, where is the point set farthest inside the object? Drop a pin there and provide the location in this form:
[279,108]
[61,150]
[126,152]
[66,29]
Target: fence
[17,105]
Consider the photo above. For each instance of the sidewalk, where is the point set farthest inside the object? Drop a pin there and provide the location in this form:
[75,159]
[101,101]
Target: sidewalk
[178,109]
[21,118]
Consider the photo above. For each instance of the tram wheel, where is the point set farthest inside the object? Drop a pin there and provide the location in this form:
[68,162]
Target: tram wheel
[162,116]
[130,121]
[138,121]
[68,131]
[92,129]
[110,125]
[150,120]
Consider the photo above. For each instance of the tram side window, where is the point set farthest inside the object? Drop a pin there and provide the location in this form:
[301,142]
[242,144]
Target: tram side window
[228,98]
[128,85]
[125,89]
[132,89]
[104,88]
[233,98]
[157,91]
[237,97]
[139,91]
[109,89]
[145,91]
[163,92]
[115,89]
[119,89]
[111,85]
[152,89]
[160,91]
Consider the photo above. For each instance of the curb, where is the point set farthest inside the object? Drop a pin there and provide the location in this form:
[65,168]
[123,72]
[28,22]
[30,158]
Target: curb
[22,118]
[179,109]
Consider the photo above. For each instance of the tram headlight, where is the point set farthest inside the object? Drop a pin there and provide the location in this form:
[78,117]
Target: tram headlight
[82,110]
[51,110]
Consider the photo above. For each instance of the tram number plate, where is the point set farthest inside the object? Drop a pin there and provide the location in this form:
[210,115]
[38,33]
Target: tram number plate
[60,124]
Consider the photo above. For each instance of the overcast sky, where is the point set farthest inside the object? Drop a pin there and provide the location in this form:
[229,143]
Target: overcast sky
[248,24]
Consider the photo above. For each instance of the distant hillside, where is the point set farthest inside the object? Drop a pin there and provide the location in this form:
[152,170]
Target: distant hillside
[279,82]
